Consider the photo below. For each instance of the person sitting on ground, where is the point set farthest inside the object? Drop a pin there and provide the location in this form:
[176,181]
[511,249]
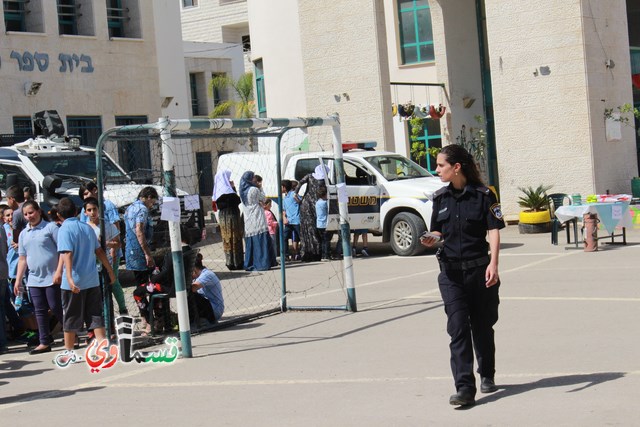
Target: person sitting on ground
[207,292]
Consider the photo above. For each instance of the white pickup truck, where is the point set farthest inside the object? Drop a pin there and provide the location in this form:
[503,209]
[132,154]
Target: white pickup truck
[388,194]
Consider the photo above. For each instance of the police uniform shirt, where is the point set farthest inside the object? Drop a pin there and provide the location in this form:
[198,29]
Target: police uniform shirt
[463,218]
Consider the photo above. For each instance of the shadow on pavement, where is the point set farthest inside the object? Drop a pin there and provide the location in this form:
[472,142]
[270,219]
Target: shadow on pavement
[310,339]
[581,381]
[46,394]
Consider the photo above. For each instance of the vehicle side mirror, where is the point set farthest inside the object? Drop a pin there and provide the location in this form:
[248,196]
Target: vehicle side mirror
[50,183]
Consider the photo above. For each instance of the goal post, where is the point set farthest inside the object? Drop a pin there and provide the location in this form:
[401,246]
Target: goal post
[167,134]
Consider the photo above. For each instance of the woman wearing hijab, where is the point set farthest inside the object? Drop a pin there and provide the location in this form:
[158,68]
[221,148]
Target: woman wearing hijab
[310,247]
[231,226]
[259,254]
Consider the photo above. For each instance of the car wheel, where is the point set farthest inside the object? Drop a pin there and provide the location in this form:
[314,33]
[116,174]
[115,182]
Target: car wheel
[406,229]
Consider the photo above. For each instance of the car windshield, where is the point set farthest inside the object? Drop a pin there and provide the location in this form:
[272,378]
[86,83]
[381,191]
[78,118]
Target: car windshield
[395,167]
[77,164]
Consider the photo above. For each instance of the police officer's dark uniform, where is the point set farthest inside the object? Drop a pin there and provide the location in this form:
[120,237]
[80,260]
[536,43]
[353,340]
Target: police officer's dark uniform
[463,218]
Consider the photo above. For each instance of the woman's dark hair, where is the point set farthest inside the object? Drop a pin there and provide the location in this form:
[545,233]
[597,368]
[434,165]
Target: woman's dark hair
[456,153]
[90,201]
[198,263]
[35,206]
[149,193]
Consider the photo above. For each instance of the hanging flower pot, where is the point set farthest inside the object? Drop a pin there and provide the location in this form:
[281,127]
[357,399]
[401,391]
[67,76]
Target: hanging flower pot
[394,110]
[406,110]
[420,112]
[436,113]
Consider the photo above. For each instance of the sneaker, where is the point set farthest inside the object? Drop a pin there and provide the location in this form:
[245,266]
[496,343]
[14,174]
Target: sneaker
[298,257]
[364,252]
[325,260]
[354,251]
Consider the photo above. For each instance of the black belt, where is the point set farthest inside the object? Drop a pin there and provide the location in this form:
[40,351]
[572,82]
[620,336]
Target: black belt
[465,265]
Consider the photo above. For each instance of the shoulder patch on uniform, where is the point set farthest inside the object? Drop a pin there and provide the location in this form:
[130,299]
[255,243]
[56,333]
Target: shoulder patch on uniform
[483,189]
[440,191]
[496,211]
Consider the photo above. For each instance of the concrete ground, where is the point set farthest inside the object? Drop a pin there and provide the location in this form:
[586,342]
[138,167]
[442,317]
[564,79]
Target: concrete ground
[567,354]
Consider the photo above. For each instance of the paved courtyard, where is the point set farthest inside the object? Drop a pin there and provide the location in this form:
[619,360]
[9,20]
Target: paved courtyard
[567,354]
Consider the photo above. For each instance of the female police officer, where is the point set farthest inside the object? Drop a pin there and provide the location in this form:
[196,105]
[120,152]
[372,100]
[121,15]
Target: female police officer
[463,213]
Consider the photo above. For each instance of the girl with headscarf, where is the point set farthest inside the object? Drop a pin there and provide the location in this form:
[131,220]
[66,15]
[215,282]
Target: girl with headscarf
[259,254]
[231,226]
[310,247]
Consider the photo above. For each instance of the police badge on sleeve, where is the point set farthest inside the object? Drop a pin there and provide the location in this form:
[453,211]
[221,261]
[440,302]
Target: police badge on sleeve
[496,211]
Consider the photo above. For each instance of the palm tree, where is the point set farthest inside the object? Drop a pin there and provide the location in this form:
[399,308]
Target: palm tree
[243,87]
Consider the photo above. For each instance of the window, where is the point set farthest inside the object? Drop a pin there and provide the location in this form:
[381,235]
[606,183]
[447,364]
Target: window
[20,177]
[22,126]
[68,17]
[219,94]
[416,32]
[205,172]
[88,128]
[193,89]
[123,18]
[134,155]
[189,3]
[260,92]
[430,138]
[75,17]
[23,15]
[246,44]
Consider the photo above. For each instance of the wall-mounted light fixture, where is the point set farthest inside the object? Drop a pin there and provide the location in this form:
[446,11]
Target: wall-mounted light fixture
[467,102]
[166,101]
[32,88]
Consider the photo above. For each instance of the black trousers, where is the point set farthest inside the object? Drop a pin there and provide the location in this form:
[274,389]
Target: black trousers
[472,310]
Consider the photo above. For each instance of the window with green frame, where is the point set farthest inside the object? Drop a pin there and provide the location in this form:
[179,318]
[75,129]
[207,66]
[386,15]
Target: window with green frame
[89,128]
[431,138]
[22,125]
[67,17]
[262,100]
[15,13]
[416,31]
[115,18]
[193,90]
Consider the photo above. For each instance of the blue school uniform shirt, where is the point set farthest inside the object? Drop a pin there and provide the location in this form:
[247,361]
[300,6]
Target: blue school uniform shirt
[78,237]
[136,213]
[322,211]
[39,244]
[212,290]
[12,254]
[292,208]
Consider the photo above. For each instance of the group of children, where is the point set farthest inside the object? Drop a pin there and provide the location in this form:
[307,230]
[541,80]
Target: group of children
[58,260]
[291,221]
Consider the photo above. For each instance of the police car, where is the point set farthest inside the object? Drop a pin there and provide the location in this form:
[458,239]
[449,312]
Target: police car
[388,194]
[55,168]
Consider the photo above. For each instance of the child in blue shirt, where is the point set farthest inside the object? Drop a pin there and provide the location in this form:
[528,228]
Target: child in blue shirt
[207,292]
[322,219]
[81,294]
[291,217]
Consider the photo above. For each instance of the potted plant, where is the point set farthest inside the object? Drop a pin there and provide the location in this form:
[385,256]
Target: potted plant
[535,217]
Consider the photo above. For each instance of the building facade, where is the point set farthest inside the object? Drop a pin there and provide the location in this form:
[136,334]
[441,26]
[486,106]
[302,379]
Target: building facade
[100,64]
[536,79]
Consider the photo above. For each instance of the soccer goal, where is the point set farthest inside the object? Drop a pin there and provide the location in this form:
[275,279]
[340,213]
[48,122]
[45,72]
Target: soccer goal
[179,158]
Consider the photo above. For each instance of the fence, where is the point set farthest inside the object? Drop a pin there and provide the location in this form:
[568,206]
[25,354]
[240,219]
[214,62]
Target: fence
[179,159]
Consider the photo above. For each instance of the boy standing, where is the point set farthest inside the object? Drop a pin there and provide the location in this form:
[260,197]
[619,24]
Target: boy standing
[322,219]
[81,294]
[291,218]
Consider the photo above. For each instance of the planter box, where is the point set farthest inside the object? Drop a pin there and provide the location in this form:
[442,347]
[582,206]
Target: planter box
[534,222]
